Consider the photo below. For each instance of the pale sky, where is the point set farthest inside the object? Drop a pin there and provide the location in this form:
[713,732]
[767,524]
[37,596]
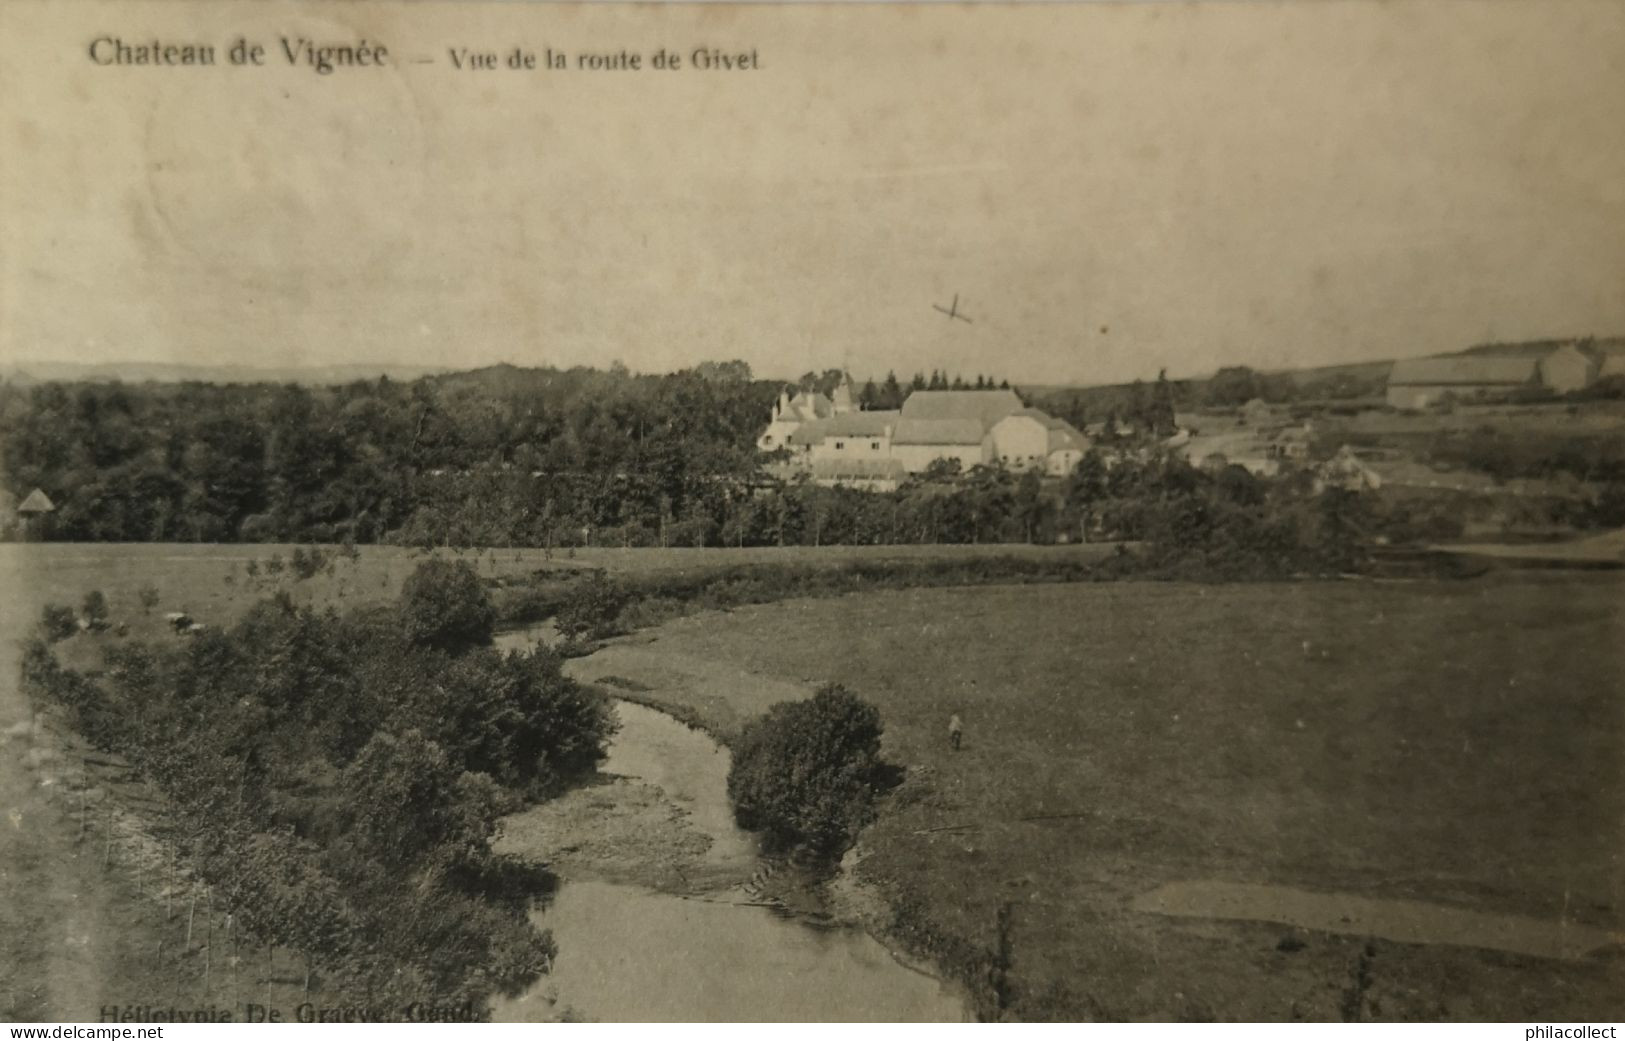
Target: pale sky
[1109,188]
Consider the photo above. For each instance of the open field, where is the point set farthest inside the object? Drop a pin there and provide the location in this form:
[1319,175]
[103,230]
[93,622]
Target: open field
[1556,419]
[210,580]
[1456,744]
[75,935]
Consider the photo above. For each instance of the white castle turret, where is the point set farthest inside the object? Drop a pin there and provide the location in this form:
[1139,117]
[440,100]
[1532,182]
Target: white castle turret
[841,399]
[790,414]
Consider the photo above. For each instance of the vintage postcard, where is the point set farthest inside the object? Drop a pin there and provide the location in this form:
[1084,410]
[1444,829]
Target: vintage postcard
[895,512]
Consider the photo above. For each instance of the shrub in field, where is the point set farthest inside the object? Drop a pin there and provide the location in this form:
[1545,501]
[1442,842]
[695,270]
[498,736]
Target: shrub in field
[589,611]
[806,772]
[94,609]
[444,606]
[515,717]
[649,612]
[149,598]
[307,563]
[84,702]
[58,621]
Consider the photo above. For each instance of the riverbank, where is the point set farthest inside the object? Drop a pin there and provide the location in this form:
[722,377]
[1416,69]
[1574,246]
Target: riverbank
[651,866]
[715,698]
[1439,743]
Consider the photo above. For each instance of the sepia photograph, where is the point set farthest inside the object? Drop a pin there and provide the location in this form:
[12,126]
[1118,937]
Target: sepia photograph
[712,513]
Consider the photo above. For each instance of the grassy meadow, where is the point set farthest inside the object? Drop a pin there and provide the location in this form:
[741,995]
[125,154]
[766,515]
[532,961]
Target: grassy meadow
[1451,742]
[1455,743]
[111,945]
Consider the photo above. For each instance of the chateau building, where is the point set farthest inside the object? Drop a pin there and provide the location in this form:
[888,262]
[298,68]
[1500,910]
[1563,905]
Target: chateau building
[836,443]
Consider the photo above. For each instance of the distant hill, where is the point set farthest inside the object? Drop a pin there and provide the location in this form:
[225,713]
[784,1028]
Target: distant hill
[1360,370]
[1340,380]
[1345,380]
[1539,348]
[26,373]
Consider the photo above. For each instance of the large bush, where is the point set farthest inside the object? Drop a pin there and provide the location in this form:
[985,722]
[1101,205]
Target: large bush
[589,611]
[58,622]
[444,606]
[805,773]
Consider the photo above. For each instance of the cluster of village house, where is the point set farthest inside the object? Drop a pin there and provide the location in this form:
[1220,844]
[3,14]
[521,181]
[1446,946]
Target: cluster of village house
[830,442]
[833,442]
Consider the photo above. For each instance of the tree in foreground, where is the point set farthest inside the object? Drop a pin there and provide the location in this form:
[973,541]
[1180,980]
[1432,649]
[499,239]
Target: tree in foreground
[589,612]
[805,773]
[444,606]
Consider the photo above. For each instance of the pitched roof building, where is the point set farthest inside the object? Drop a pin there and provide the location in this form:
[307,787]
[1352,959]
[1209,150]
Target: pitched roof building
[36,503]
[985,406]
[967,427]
[1419,382]
[1498,371]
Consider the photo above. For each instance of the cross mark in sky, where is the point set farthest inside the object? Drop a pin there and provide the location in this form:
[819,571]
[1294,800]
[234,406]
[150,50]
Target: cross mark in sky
[952,311]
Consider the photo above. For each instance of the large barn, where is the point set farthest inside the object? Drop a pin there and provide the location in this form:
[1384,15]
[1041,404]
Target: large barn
[1416,383]
[1495,373]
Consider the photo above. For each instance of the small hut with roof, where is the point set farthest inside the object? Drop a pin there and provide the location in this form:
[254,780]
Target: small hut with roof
[34,514]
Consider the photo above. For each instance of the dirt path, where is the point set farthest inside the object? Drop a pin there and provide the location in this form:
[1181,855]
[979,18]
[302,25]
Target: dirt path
[54,927]
[1606,548]
[1404,921]
[74,935]
[57,915]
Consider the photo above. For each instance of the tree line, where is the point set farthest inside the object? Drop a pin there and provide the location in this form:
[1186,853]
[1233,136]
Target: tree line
[337,780]
[508,456]
[501,455]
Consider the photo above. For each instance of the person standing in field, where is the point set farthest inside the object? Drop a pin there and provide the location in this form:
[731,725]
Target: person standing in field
[955,730]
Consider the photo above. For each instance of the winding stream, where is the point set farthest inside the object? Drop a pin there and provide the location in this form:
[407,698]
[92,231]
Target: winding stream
[629,953]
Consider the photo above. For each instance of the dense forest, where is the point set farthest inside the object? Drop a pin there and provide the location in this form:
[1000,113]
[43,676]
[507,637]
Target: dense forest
[496,456]
[362,461]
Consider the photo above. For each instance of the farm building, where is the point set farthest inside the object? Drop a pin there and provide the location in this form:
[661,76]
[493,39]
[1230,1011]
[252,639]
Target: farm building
[875,449]
[1030,439]
[33,514]
[1495,372]
[1260,450]
[874,475]
[790,414]
[1416,383]
[1611,361]
[1568,369]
